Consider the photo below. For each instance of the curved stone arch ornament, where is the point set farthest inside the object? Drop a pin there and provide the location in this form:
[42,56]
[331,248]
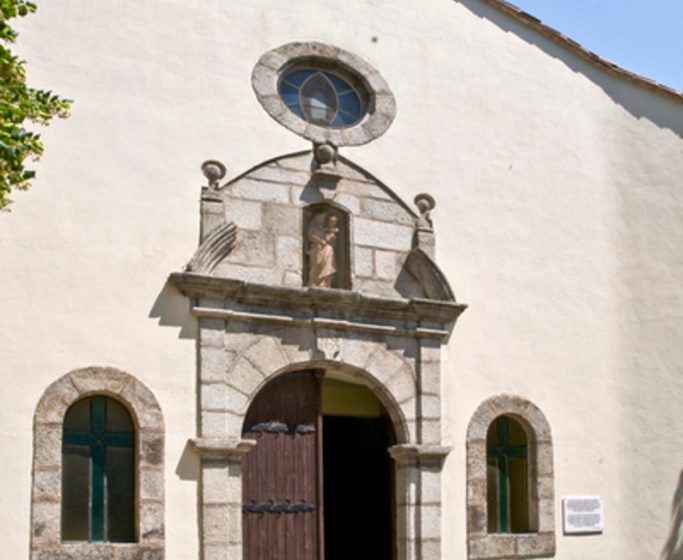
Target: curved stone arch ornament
[47,468]
[541,543]
[214,248]
[394,385]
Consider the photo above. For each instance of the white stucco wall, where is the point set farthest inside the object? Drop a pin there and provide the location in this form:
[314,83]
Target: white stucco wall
[558,220]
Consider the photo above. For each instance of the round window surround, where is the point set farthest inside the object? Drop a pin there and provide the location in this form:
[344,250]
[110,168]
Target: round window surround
[340,119]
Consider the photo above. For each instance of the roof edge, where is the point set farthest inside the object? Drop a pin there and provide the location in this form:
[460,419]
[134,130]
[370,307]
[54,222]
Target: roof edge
[578,49]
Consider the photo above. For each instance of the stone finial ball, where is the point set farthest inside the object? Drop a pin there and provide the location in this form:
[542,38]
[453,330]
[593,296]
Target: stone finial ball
[424,202]
[325,153]
[213,170]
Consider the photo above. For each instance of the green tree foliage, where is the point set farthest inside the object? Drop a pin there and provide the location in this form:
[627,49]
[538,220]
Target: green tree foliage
[20,103]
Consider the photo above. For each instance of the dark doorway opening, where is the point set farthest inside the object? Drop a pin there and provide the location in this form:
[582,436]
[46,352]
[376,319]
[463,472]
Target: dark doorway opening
[357,486]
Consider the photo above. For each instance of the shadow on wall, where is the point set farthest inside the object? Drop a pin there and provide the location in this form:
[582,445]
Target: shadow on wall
[673,549]
[173,310]
[188,468]
[188,464]
[634,98]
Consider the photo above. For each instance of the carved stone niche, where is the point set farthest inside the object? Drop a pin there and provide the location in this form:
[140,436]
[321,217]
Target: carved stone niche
[326,261]
[383,327]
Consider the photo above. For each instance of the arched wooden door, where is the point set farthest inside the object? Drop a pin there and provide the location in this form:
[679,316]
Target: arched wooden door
[281,492]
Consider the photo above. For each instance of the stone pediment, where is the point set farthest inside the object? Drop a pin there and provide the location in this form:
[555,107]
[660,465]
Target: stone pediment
[290,221]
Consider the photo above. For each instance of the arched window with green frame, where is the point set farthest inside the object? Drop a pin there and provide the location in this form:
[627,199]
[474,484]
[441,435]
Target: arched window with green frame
[510,481]
[507,488]
[98,472]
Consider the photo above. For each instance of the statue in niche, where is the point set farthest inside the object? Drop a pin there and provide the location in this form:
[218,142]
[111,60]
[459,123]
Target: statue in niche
[322,234]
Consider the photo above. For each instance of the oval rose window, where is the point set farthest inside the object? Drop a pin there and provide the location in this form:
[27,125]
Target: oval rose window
[322,97]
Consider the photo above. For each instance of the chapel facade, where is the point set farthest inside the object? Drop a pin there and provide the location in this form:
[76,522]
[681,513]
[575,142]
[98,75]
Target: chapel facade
[262,356]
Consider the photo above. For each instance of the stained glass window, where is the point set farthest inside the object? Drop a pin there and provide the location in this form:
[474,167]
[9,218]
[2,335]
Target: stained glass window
[98,472]
[322,97]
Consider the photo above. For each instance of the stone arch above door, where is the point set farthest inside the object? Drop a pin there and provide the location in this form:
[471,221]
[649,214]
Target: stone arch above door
[227,393]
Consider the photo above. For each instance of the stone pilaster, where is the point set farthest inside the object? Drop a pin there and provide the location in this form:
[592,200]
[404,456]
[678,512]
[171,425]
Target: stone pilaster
[418,497]
[213,213]
[429,387]
[221,496]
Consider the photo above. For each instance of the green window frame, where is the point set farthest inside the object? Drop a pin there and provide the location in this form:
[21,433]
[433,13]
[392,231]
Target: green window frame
[98,472]
[507,488]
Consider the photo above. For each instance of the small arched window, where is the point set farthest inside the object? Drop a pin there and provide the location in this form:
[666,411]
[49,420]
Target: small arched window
[510,496]
[98,472]
[507,485]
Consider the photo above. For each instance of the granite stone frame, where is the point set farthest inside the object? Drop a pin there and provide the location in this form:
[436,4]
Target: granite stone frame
[541,542]
[381,105]
[246,284]
[250,333]
[47,468]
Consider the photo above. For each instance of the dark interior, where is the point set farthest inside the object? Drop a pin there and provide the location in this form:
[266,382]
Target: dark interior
[357,488]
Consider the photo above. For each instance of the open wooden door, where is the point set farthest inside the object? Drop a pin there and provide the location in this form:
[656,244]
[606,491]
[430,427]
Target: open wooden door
[282,509]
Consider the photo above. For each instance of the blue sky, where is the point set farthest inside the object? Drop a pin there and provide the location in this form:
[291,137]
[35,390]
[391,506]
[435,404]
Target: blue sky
[644,36]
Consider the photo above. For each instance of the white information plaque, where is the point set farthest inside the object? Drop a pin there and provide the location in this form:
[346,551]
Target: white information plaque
[582,514]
